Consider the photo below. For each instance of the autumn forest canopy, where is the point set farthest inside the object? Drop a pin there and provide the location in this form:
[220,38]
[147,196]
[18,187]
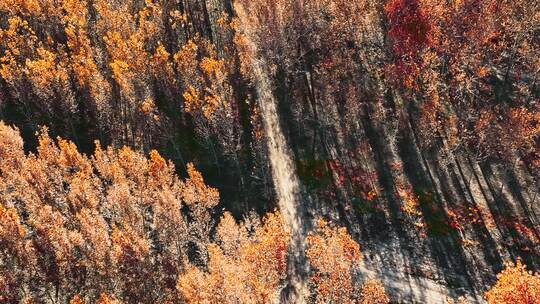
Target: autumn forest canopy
[269,151]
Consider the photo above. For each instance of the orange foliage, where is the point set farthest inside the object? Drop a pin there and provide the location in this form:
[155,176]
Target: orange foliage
[105,299]
[504,132]
[459,217]
[243,267]
[333,254]
[76,300]
[515,285]
[373,293]
[106,62]
[104,215]
[411,204]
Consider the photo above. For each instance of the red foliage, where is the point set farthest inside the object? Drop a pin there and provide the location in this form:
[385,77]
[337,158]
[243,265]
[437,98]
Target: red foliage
[410,33]
[361,180]
[410,26]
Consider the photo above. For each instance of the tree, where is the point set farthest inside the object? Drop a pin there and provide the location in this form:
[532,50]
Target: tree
[410,32]
[515,284]
[373,293]
[115,222]
[333,254]
[246,265]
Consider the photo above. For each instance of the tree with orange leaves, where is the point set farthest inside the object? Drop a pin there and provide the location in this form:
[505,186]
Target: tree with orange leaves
[515,285]
[116,221]
[373,293]
[333,254]
[125,224]
[246,265]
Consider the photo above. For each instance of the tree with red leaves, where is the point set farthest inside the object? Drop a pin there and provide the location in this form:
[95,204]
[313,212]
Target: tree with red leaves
[409,34]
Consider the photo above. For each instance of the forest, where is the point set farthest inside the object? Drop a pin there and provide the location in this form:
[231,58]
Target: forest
[269,151]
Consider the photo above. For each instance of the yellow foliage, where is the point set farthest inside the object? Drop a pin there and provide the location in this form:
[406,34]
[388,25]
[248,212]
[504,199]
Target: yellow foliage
[186,59]
[40,70]
[162,64]
[19,41]
[211,106]
[224,20]
[76,13]
[120,71]
[157,164]
[147,106]
[11,148]
[127,244]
